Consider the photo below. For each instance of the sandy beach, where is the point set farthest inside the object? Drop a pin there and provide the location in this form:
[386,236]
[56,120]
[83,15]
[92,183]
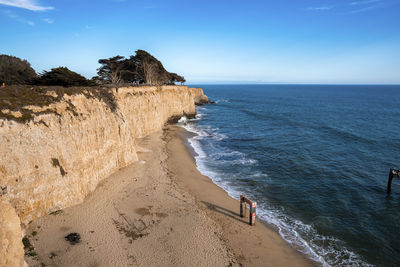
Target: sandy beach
[159,211]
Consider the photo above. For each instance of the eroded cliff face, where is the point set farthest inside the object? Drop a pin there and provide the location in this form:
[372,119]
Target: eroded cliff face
[11,248]
[56,159]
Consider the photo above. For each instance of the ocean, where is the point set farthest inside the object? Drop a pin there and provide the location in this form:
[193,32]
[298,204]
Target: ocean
[316,159]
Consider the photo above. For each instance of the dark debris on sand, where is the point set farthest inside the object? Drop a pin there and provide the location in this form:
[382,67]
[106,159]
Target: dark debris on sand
[73,238]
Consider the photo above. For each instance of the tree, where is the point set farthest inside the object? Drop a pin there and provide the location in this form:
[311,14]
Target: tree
[149,68]
[173,78]
[62,76]
[14,70]
[130,72]
[141,68]
[145,66]
[112,70]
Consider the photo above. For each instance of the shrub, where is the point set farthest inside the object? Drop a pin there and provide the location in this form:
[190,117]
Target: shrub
[64,77]
[14,70]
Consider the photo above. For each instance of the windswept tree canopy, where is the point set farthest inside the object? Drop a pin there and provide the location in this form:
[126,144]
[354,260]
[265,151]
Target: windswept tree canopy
[142,68]
[14,70]
[149,68]
[62,76]
[112,69]
[173,78]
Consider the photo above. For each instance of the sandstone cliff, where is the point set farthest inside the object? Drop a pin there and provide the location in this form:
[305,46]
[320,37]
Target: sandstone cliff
[54,159]
[11,249]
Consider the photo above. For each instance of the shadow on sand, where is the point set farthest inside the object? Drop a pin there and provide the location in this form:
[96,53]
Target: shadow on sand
[223,211]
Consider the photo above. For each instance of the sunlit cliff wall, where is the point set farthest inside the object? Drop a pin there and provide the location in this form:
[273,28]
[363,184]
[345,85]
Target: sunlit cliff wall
[56,159]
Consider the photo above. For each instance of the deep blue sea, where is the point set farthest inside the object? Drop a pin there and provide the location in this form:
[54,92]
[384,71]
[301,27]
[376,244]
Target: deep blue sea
[316,159]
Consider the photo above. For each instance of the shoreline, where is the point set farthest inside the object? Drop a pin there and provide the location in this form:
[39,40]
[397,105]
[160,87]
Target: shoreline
[256,245]
[157,211]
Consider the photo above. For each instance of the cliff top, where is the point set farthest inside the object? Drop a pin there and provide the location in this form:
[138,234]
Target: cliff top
[16,101]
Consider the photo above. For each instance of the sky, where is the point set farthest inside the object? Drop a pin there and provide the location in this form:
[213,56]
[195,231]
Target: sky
[219,41]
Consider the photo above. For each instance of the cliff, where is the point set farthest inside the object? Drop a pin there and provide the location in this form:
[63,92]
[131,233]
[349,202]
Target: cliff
[54,154]
[11,249]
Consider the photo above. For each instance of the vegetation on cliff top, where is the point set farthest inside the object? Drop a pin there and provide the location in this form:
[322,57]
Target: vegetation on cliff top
[25,88]
[62,76]
[14,70]
[142,68]
[16,99]
[138,69]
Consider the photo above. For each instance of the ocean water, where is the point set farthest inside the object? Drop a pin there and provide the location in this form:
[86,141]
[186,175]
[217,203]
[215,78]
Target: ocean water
[316,159]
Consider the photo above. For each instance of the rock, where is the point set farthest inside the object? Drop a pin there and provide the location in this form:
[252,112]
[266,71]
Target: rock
[73,238]
[11,247]
[201,99]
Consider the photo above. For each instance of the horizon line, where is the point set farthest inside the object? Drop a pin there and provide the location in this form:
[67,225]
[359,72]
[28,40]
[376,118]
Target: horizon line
[285,83]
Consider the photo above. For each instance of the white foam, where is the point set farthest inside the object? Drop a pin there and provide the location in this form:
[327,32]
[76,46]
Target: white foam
[287,227]
[183,119]
[197,148]
[231,153]
[221,101]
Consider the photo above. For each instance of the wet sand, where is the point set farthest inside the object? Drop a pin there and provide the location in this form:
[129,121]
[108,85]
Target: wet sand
[159,211]
[252,245]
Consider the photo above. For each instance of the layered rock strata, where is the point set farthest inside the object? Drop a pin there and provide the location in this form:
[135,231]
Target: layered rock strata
[53,155]
[54,160]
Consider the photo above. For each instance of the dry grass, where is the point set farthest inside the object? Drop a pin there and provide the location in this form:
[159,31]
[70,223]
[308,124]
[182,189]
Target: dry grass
[16,99]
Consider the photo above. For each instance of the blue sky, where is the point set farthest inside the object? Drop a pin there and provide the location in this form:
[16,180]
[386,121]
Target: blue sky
[276,41]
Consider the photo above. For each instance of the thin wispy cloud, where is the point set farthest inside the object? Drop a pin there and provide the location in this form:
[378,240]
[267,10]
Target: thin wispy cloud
[320,8]
[15,17]
[368,8]
[49,21]
[25,4]
[364,2]
[367,5]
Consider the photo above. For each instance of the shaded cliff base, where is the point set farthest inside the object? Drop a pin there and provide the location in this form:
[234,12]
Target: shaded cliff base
[159,211]
[11,249]
[136,217]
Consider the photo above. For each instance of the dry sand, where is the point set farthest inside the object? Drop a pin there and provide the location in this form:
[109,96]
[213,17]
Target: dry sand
[159,211]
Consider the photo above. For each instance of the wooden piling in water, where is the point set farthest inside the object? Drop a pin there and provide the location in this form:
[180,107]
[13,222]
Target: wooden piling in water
[392,173]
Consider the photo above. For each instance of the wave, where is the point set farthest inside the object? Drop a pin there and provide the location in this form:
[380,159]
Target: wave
[323,249]
[346,134]
[221,101]
[208,132]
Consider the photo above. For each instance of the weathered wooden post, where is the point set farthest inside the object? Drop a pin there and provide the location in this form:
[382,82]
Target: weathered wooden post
[389,186]
[242,206]
[392,173]
[252,219]
[253,207]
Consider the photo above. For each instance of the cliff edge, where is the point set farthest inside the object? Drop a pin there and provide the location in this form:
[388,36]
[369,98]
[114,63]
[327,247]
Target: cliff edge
[54,154]
[57,157]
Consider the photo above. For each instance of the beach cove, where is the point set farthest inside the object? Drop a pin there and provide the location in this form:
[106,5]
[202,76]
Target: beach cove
[158,211]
